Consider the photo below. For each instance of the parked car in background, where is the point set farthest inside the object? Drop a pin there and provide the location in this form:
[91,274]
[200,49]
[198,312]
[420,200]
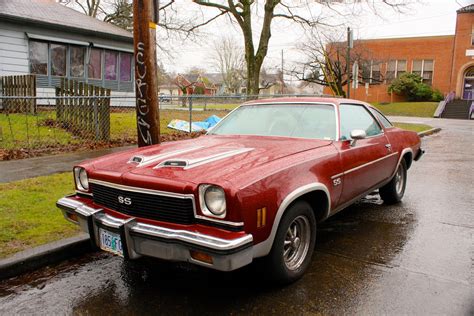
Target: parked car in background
[257,185]
[165,98]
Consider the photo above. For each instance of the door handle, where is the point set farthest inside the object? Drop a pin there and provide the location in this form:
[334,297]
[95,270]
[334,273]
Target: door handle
[388,146]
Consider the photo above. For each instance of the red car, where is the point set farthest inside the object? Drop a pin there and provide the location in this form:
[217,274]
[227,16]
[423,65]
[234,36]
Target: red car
[257,185]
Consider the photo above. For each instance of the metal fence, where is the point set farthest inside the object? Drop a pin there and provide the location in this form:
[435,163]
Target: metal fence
[96,121]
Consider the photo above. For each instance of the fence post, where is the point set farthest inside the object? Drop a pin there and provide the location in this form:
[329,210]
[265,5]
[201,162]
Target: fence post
[190,114]
[96,114]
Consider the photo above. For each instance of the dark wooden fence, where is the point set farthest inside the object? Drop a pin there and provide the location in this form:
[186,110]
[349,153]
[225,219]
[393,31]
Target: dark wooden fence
[19,86]
[84,109]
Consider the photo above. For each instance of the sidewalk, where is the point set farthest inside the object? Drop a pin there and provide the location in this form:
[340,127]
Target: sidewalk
[14,170]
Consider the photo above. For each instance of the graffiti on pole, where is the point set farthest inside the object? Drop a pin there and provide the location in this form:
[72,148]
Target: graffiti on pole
[142,90]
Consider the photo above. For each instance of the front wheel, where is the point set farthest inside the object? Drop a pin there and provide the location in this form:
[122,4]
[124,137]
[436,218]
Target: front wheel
[294,244]
[393,191]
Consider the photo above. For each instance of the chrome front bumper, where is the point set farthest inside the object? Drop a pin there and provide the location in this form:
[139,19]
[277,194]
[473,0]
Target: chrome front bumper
[142,239]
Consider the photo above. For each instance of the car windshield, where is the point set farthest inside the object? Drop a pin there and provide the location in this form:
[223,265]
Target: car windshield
[289,120]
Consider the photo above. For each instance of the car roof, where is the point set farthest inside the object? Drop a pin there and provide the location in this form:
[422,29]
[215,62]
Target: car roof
[308,100]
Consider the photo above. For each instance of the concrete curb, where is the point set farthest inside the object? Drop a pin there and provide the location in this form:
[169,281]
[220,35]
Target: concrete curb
[429,132]
[32,259]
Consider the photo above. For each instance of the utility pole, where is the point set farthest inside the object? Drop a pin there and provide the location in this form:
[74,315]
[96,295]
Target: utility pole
[282,74]
[145,18]
[348,61]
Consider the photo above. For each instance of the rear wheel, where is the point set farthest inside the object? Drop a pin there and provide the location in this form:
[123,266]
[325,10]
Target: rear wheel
[294,244]
[393,191]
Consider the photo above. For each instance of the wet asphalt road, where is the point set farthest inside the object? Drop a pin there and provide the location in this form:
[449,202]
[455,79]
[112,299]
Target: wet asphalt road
[412,258]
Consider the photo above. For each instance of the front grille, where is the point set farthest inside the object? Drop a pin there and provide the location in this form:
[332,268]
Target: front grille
[144,205]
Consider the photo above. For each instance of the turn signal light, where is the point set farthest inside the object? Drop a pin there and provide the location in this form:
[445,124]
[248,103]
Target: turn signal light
[72,217]
[261,217]
[201,256]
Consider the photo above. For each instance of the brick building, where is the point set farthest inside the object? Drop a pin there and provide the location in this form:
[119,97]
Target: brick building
[444,62]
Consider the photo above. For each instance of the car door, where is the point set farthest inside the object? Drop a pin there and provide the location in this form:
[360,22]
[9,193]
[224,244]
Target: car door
[367,162]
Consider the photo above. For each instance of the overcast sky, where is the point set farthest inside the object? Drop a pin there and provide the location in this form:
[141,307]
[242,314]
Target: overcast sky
[423,18]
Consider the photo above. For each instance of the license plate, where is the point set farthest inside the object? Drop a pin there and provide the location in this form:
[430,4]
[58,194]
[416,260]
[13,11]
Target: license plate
[110,242]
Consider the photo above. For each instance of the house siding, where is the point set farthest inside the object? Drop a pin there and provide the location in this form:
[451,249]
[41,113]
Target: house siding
[13,51]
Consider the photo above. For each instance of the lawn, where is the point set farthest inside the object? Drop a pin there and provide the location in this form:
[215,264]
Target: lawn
[417,109]
[28,215]
[413,127]
[40,131]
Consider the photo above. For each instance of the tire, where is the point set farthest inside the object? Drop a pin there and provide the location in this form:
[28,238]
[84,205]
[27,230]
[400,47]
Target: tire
[393,191]
[287,262]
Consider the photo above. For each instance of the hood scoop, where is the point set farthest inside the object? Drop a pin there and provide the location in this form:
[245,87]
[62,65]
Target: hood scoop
[191,163]
[142,160]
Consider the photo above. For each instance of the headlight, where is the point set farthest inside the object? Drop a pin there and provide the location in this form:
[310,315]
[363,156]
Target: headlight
[212,200]
[82,180]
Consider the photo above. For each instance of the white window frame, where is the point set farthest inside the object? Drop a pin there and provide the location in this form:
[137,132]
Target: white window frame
[423,68]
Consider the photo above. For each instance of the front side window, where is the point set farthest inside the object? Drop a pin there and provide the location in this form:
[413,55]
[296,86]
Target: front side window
[58,60]
[77,61]
[111,65]
[316,121]
[38,53]
[385,122]
[357,117]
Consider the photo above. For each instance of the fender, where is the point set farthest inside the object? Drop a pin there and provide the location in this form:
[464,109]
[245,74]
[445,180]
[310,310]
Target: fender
[404,151]
[262,249]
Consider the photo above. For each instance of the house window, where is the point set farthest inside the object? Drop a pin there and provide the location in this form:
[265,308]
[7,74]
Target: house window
[77,55]
[391,70]
[111,65]
[38,53]
[125,67]
[375,75]
[95,64]
[58,60]
[424,68]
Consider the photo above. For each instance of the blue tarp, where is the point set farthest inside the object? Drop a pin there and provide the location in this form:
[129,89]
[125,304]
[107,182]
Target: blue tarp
[181,125]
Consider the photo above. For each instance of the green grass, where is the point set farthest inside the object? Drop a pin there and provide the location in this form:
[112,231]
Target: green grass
[413,127]
[28,213]
[417,109]
[15,135]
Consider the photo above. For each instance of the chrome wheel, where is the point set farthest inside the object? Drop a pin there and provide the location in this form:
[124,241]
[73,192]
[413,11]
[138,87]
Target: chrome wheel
[296,243]
[399,180]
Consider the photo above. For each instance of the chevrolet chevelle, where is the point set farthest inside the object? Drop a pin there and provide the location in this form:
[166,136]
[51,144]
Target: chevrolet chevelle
[256,185]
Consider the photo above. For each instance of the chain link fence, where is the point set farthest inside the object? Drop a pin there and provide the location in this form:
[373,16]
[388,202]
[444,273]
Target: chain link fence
[49,125]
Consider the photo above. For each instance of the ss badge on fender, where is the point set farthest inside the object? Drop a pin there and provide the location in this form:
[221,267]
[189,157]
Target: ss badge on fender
[336,182]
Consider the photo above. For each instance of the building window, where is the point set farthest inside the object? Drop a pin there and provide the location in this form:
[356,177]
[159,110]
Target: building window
[391,70]
[110,65]
[95,64]
[401,68]
[58,60]
[375,74]
[472,36]
[424,68]
[77,56]
[125,67]
[38,52]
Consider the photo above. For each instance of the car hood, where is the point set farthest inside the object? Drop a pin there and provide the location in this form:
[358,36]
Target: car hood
[209,159]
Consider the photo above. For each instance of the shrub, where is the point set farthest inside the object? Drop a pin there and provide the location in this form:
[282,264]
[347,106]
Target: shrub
[412,86]
[437,96]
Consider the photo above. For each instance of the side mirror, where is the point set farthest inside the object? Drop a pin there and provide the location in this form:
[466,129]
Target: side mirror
[356,135]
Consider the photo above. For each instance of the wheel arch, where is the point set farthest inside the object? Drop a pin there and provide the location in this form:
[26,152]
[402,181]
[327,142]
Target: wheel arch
[311,193]
[408,157]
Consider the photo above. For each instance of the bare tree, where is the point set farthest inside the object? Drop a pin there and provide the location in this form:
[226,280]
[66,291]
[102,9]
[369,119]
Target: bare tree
[326,63]
[228,60]
[244,12]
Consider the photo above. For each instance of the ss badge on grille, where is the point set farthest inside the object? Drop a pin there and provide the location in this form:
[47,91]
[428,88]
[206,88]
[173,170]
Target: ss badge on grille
[124,200]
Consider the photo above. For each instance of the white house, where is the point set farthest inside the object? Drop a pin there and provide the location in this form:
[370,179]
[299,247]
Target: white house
[50,40]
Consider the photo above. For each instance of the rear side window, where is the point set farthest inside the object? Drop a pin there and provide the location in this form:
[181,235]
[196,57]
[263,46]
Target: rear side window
[357,117]
[385,122]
